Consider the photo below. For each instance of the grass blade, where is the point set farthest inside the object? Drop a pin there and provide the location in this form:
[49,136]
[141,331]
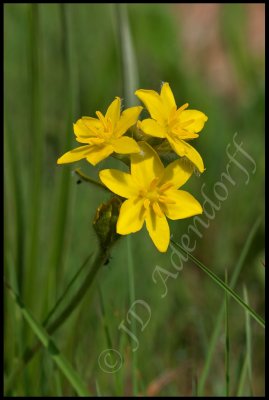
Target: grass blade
[68,287]
[227,341]
[132,300]
[247,364]
[218,325]
[64,365]
[248,343]
[222,284]
[128,59]
[36,172]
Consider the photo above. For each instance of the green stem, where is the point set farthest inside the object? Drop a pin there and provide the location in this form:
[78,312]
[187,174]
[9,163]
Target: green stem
[86,178]
[132,300]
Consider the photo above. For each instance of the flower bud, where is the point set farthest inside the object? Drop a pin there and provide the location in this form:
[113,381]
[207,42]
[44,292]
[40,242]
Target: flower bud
[105,222]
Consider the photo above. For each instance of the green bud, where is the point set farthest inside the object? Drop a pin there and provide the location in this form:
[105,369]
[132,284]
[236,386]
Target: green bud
[105,221]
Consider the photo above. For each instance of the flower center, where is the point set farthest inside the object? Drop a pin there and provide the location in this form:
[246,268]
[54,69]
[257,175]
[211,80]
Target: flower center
[155,197]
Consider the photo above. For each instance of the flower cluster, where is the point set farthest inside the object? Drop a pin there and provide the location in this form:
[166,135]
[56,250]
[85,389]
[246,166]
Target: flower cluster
[151,190]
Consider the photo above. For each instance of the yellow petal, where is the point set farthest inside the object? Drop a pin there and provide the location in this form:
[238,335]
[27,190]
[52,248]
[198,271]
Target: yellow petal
[119,182]
[153,103]
[168,98]
[146,165]
[198,118]
[99,153]
[183,148]
[131,216]
[128,118]
[152,128]
[75,155]
[113,111]
[177,173]
[90,140]
[86,127]
[184,206]
[125,145]
[158,230]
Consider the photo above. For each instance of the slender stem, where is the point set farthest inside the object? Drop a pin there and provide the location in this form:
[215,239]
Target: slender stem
[132,300]
[219,282]
[217,329]
[227,341]
[130,83]
[62,297]
[88,179]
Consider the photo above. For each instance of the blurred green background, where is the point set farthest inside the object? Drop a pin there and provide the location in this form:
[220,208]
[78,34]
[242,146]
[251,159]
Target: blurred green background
[62,62]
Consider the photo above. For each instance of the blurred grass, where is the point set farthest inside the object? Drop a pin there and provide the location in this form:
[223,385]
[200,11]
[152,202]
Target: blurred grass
[77,55]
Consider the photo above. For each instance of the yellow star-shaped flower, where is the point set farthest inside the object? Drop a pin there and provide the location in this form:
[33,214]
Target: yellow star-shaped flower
[104,135]
[175,124]
[152,195]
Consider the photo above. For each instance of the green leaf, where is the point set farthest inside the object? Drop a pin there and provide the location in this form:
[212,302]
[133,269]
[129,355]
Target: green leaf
[223,285]
[63,364]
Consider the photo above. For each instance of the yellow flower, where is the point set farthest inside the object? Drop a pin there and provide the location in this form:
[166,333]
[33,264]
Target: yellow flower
[104,135]
[152,195]
[176,125]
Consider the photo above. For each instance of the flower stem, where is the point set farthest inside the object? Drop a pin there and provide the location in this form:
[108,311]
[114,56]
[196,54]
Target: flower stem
[88,179]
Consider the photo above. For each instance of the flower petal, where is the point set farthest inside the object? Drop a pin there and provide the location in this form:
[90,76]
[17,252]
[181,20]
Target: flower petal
[125,145]
[177,173]
[86,127]
[132,216]
[90,140]
[119,182]
[113,111]
[99,153]
[158,230]
[75,155]
[167,97]
[198,118]
[185,205]
[146,165]
[152,128]
[183,148]
[128,118]
[153,103]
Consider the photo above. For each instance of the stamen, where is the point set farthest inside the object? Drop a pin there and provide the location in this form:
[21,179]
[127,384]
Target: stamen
[109,124]
[166,200]
[102,119]
[146,203]
[166,186]
[182,108]
[157,209]
[153,183]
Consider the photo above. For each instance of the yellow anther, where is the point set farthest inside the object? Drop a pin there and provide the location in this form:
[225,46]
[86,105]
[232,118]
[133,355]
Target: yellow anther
[153,183]
[146,203]
[182,108]
[157,209]
[166,200]
[166,186]
[102,119]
